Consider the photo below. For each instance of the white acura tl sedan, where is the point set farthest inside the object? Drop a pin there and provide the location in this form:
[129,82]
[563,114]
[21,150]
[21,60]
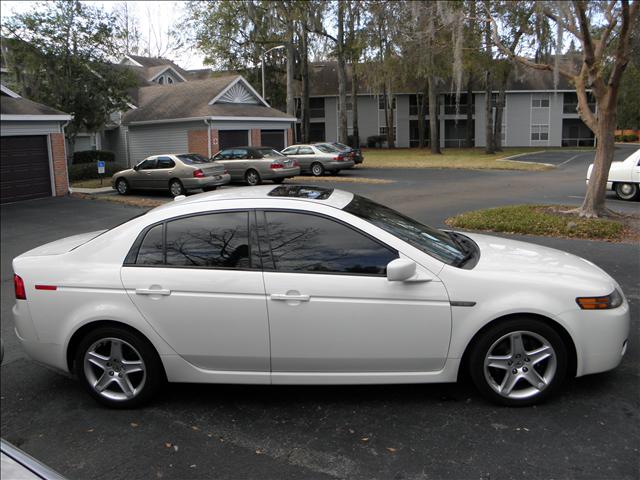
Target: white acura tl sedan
[308,285]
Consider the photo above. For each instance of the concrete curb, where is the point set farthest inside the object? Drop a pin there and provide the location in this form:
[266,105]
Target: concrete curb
[90,191]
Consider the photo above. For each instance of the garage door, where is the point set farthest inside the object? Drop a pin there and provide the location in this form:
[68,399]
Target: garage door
[24,168]
[233,138]
[272,138]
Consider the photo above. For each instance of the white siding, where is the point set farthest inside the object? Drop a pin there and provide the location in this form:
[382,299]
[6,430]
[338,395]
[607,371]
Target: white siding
[154,139]
[11,129]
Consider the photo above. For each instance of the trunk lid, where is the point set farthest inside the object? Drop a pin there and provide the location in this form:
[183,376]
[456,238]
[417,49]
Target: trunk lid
[63,245]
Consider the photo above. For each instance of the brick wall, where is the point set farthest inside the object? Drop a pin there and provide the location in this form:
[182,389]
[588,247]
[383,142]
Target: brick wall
[215,144]
[289,137]
[197,142]
[59,161]
[256,139]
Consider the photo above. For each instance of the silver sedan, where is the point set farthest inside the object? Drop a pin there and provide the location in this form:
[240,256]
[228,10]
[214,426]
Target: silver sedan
[318,158]
[252,165]
[175,172]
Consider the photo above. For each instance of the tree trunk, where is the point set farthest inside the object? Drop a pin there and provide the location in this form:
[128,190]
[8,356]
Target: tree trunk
[488,111]
[434,136]
[291,104]
[354,106]
[421,101]
[468,142]
[342,77]
[500,103]
[304,65]
[594,201]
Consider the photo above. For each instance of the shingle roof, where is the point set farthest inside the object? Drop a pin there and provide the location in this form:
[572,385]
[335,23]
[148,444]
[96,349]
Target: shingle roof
[22,106]
[191,100]
[323,81]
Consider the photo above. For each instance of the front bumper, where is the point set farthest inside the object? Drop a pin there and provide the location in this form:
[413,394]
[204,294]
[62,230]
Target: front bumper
[600,337]
[212,181]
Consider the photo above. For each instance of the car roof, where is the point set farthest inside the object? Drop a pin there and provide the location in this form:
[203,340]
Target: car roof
[307,193]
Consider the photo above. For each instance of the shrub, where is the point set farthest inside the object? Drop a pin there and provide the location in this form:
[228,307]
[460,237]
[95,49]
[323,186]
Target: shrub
[92,156]
[376,141]
[632,137]
[88,171]
[619,138]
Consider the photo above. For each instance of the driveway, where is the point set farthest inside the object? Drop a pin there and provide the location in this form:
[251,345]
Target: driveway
[417,431]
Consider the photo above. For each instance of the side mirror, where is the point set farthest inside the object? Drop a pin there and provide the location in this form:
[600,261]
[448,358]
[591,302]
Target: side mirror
[403,270]
[136,167]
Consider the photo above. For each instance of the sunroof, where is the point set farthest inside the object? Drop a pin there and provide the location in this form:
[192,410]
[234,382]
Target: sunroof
[299,191]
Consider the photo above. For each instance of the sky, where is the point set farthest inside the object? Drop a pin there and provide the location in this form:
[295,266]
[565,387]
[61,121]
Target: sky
[156,15]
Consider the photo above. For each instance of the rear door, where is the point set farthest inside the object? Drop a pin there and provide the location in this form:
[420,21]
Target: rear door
[198,282]
[305,157]
[163,172]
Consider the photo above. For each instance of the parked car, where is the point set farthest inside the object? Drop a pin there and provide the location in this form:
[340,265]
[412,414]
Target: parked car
[354,153]
[177,173]
[301,285]
[255,164]
[317,159]
[624,177]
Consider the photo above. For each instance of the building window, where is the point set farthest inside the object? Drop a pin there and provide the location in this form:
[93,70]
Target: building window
[540,101]
[414,103]
[161,80]
[383,131]
[381,102]
[539,132]
[169,80]
[570,102]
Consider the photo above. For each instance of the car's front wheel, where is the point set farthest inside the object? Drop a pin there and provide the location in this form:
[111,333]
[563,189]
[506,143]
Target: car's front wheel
[627,191]
[122,186]
[118,367]
[252,178]
[518,362]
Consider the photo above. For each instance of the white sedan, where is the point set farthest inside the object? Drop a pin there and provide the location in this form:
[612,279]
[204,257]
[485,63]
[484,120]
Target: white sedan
[309,285]
[624,177]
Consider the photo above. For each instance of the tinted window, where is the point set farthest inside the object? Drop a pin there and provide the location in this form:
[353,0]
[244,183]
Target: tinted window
[165,162]
[216,240]
[326,148]
[290,151]
[309,243]
[305,151]
[430,240]
[191,158]
[270,153]
[149,164]
[239,153]
[151,248]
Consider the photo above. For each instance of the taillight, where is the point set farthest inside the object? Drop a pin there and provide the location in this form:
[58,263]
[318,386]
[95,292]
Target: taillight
[276,165]
[198,173]
[18,283]
[295,163]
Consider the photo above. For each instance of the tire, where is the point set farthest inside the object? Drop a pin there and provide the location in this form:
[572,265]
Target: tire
[278,181]
[627,191]
[118,367]
[252,177]
[518,364]
[209,189]
[176,188]
[317,169]
[122,186]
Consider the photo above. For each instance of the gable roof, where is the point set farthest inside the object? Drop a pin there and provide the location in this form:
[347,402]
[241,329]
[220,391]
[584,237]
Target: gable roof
[148,68]
[14,107]
[190,100]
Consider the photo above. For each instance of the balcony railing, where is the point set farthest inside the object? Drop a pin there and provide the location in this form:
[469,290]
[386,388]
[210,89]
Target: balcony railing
[462,109]
[316,112]
[573,107]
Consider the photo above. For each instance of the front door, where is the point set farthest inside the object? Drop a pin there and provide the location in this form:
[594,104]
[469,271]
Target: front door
[163,172]
[142,177]
[195,281]
[332,309]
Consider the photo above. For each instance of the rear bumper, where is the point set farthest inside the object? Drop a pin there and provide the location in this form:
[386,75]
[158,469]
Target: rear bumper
[338,165]
[213,181]
[281,173]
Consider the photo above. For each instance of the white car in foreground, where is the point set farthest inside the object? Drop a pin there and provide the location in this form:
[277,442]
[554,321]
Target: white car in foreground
[308,285]
[624,177]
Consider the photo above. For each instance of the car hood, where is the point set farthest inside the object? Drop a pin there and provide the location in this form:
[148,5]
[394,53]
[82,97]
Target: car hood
[526,260]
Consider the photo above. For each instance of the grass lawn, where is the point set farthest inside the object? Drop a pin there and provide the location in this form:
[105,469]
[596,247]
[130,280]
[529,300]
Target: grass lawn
[93,183]
[470,158]
[547,220]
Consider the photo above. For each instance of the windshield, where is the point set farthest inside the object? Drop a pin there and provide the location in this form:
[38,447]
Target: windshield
[428,239]
[191,158]
[324,148]
[270,153]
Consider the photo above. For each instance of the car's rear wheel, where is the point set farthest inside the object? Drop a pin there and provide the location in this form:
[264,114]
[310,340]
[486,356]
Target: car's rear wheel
[122,186]
[119,368]
[278,180]
[176,188]
[252,178]
[518,362]
[627,191]
[317,170]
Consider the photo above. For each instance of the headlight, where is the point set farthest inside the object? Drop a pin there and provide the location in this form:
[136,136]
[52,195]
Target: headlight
[613,300]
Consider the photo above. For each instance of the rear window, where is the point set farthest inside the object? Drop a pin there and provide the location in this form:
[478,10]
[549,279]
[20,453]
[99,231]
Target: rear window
[192,158]
[326,148]
[270,153]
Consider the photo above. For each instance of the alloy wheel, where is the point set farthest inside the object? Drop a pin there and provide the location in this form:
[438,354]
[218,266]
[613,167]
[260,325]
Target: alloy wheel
[114,369]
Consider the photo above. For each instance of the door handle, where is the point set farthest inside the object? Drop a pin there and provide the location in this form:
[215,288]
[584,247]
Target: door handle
[288,298]
[148,173]
[152,291]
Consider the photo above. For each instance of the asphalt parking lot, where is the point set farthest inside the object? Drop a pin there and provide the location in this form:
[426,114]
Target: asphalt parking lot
[591,430]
